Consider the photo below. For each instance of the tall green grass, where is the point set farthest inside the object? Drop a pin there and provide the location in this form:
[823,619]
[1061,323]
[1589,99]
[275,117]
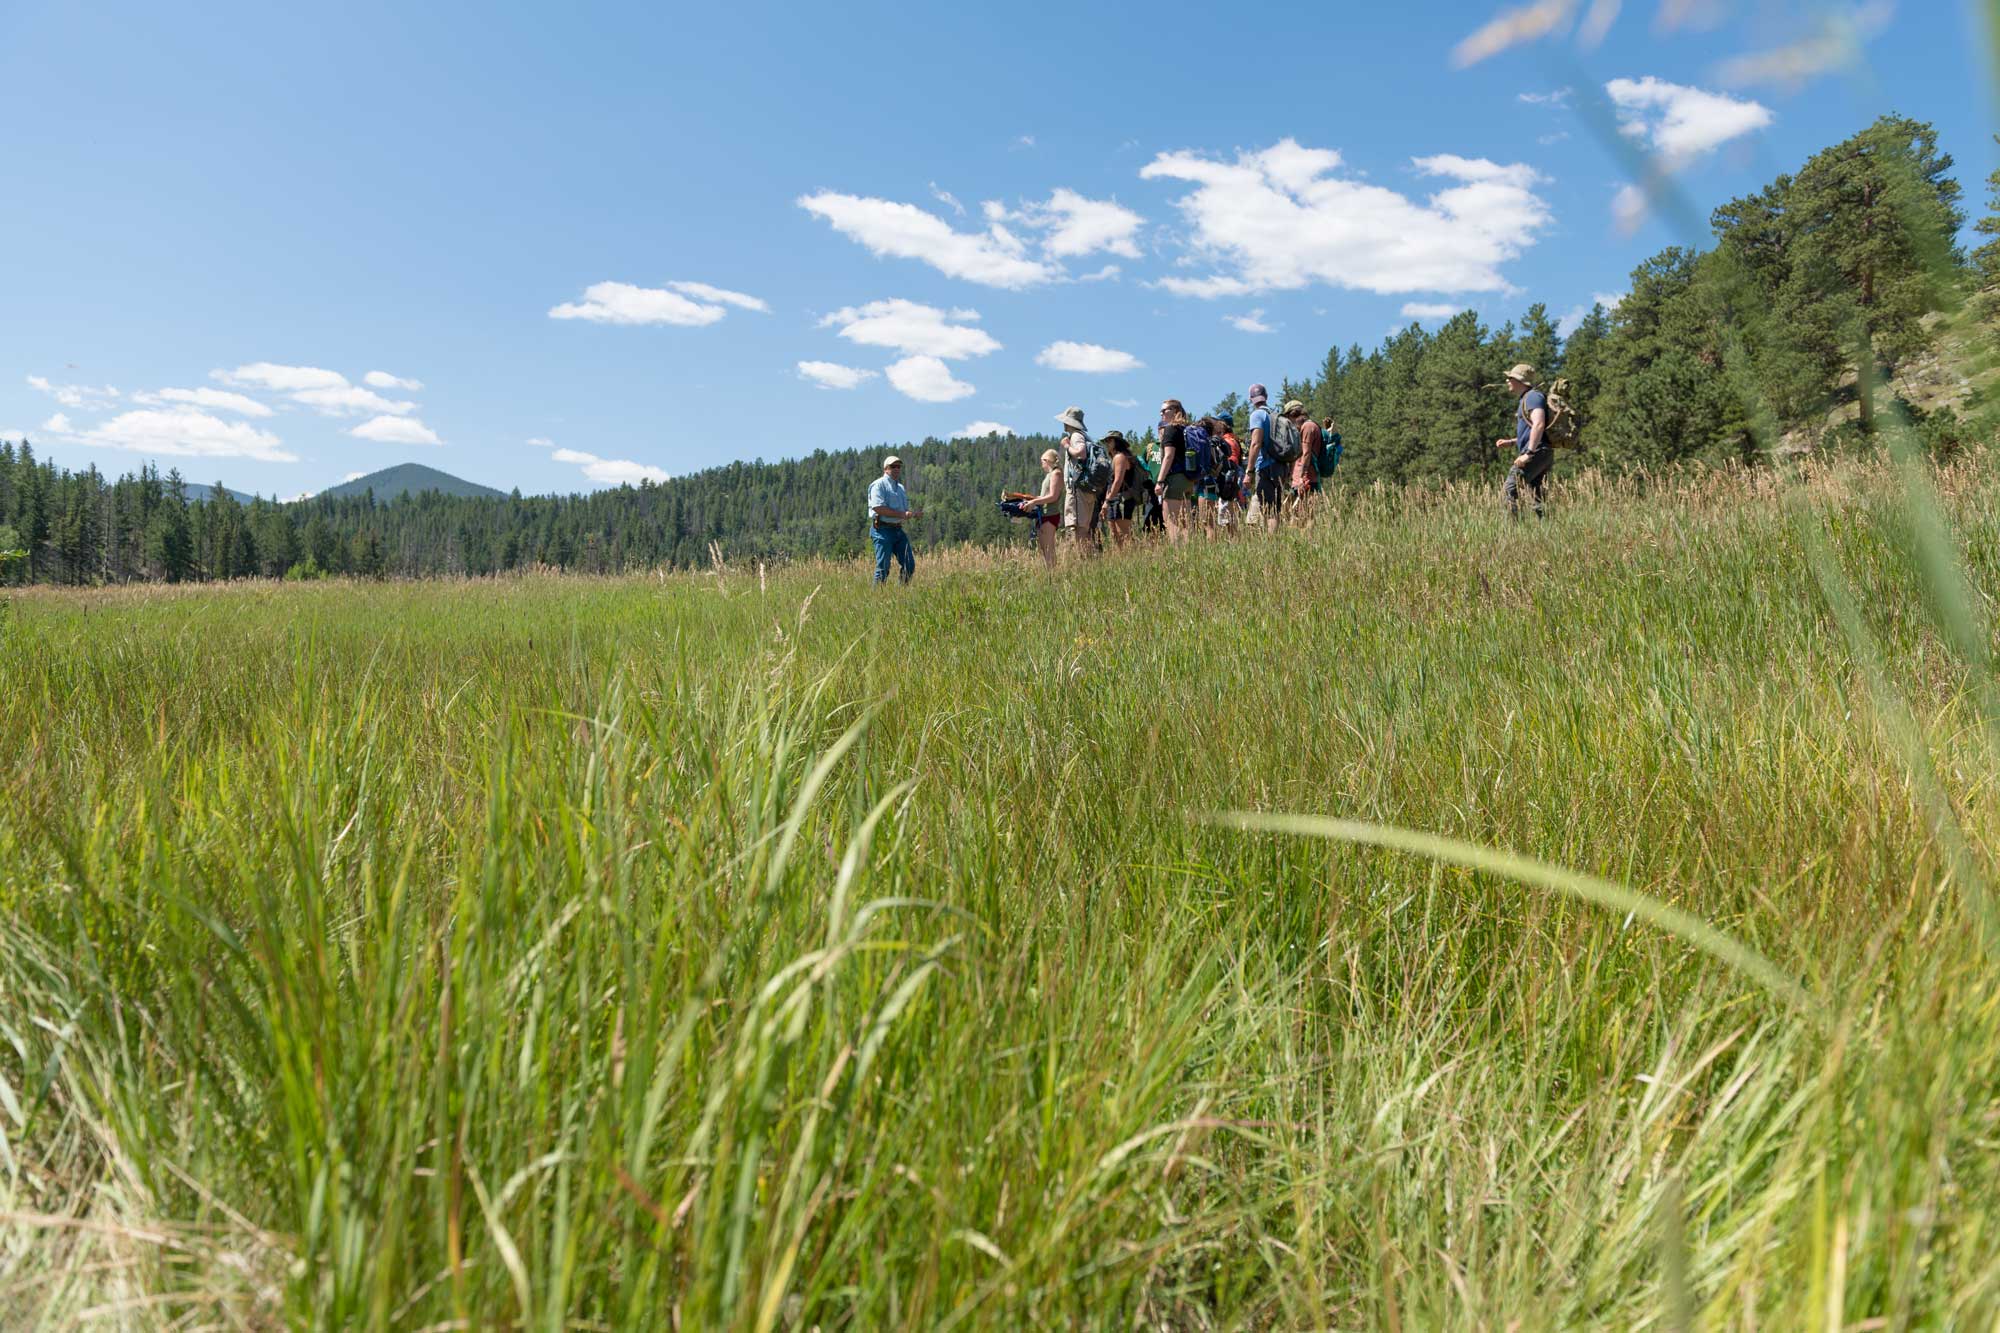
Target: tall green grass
[769,950]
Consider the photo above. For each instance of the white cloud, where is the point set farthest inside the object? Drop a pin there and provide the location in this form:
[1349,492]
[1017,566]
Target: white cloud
[395,430]
[354,476]
[623,303]
[382,379]
[1105,274]
[979,430]
[948,199]
[1430,309]
[350,400]
[1680,122]
[1547,140]
[993,258]
[928,380]
[913,329]
[1072,225]
[74,395]
[1510,28]
[1571,320]
[541,442]
[59,423]
[1559,98]
[702,291]
[220,400]
[1280,219]
[280,379]
[1087,358]
[833,375]
[611,471]
[1609,300]
[182,432]
[1024,141]
[1122,402]
[1250,323]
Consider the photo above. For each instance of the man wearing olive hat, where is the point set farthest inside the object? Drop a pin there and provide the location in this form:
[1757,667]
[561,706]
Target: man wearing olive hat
[888,509]
[1532,455]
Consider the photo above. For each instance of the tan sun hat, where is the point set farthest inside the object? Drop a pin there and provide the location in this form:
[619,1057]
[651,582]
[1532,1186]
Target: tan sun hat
[891,461]
[1072,417]
[1523,372]
[1293,407]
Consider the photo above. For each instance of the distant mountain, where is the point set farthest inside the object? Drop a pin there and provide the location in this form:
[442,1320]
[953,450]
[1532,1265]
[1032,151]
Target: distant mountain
[196,491]
[410,479]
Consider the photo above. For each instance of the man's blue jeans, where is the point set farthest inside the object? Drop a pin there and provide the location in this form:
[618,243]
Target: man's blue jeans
[892,541]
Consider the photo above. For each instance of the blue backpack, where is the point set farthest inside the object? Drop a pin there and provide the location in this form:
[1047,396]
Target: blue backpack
[1197,458]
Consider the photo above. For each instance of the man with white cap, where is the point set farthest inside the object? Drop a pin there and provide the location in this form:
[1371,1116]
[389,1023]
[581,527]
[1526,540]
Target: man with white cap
[888,509]
[1086,474]
[1533,456]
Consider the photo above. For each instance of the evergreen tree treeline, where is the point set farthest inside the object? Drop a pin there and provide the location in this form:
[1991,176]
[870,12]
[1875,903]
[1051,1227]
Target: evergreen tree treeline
[1817,288]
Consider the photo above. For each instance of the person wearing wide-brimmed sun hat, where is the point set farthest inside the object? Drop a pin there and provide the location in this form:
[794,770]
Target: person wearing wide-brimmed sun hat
[888,510]
[1533,455]
[1082,492]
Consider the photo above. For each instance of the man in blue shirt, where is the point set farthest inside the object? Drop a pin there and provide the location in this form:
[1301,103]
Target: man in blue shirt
[1267,470]
[1533,456]
[888,509]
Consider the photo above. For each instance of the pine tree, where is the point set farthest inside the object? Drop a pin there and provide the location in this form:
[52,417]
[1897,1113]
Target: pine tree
[1873,222]
[1538,344]
[1986,259]
[1453,411]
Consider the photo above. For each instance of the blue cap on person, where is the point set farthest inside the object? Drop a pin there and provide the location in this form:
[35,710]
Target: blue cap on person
[1257,396]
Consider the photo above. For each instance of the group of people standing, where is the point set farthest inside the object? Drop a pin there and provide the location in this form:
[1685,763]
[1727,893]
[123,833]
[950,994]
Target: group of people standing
[1199,475]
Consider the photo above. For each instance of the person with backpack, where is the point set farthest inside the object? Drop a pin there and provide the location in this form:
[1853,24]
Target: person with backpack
[1086,476]
[1227,485]
[1305,473]
[1122,503]
[1534,453]
[1269,463]
[1179,466]
[1327,462]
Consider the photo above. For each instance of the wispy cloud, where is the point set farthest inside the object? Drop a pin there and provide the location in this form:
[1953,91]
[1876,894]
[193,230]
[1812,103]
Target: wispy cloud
[993,258]
[395,430]
[1681,125]
[74,395]
[832,375]
[611,471]
[218,400]
[686,304]
[1252,322]
[1430,309]
[979,430]
[1086,358]
[382,379]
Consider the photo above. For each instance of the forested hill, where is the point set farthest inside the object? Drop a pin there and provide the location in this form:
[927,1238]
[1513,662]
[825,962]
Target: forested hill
[410,479]
[1844,274]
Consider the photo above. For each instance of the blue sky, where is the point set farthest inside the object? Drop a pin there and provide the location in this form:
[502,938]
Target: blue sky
[557,246]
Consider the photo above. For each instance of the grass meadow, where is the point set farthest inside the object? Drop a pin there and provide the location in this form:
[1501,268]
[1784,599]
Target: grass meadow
[767,950]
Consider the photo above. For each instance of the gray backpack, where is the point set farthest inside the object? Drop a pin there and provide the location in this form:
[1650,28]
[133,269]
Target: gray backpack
[1285,443]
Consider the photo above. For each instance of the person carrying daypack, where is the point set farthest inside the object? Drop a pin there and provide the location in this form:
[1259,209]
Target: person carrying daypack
[1327,461]
[1534,452]
[1086,477]
[1179,466]
[1305,478]
[1222,501]
[1270,463]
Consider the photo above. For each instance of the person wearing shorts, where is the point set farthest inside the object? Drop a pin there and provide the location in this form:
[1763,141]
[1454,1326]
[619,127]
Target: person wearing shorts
[1269,473]
[1122,502]
[1049,506]
[1175,487]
